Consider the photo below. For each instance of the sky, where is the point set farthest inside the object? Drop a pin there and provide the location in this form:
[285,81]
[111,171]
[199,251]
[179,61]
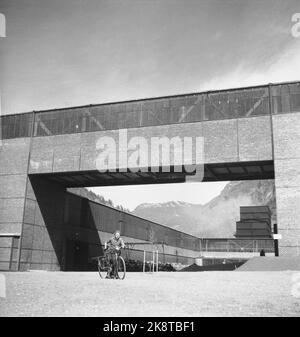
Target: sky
[73,52]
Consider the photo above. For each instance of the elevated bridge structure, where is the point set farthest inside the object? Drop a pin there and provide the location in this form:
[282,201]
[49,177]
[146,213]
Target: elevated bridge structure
[249,133]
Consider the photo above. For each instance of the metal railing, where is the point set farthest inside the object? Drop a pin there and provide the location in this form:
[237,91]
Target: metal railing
[237,245]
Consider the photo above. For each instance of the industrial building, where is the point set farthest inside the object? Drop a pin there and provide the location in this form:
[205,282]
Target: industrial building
[249,133]
[89,224]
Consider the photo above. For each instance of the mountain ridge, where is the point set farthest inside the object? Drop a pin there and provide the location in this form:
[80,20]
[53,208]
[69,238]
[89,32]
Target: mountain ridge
[215,218]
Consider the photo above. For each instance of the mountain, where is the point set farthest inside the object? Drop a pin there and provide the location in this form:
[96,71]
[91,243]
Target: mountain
[85,193]
[216,218]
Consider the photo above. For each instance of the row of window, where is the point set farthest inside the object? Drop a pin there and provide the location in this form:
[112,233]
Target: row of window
[160,111]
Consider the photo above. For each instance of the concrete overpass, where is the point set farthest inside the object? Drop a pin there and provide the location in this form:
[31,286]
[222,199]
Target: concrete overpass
[249,133]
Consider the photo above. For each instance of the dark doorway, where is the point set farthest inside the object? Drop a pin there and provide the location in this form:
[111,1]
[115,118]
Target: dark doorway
[77,255]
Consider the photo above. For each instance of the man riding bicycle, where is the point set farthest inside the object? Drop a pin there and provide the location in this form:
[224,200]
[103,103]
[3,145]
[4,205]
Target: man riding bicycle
[113,248]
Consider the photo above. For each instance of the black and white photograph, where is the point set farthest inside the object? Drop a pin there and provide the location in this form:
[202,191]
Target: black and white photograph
[149,161]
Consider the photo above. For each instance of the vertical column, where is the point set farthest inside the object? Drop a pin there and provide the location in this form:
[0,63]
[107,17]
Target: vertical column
[43,228]
[13,175]
[286,130]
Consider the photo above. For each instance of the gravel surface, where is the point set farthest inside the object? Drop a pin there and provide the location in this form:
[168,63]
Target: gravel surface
[268,263]
[225,293]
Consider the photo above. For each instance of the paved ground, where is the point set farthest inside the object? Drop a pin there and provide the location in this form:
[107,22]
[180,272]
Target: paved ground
[227,293]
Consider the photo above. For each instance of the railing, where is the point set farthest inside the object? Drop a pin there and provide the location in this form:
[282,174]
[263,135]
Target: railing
[225,104]
[237,245]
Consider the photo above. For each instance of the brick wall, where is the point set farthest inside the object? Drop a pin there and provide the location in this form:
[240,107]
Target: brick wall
[287,181]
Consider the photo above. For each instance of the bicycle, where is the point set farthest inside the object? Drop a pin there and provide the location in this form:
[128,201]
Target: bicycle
[104,266]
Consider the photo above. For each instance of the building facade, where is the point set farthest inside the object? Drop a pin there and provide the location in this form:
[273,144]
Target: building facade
[249,133]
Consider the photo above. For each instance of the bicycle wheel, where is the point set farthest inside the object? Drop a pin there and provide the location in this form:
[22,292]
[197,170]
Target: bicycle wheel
[102,267]
[121,268]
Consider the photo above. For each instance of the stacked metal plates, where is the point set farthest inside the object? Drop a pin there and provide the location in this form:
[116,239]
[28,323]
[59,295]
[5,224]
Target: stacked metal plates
[255,221]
